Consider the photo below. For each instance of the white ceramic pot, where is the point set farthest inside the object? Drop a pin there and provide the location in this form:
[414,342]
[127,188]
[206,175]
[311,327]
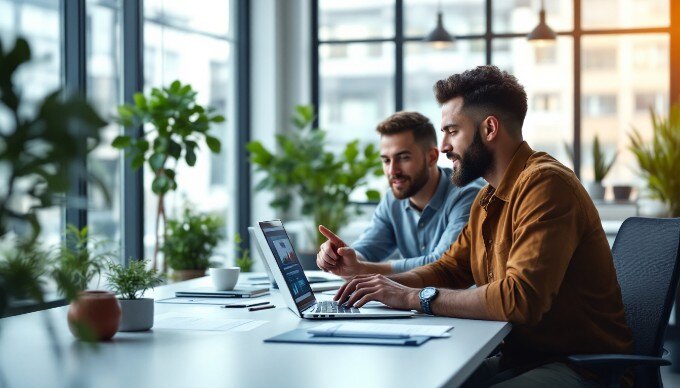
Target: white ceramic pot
[595,190]
[137,314]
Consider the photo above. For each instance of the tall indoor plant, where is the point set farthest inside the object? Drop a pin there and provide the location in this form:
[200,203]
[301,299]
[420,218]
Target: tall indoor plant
[659,158]
[303,167]
[175,124]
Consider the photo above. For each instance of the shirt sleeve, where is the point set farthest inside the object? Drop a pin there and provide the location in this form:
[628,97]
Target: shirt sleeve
[458,215]
[378,241]
[548,224]
[453,269]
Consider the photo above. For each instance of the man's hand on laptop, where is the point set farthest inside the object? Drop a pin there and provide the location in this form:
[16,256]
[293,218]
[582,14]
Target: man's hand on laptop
[336,257]
[365,288]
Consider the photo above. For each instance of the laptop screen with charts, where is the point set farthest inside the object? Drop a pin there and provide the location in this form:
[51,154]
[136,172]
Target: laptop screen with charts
[294,285]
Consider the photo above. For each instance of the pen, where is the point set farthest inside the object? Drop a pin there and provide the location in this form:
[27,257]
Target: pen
[270,306]
[226,306]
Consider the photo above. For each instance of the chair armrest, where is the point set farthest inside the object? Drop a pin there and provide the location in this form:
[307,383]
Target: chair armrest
[622,361]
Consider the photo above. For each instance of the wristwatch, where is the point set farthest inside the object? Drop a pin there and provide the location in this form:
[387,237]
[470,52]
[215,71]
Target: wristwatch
[427,295]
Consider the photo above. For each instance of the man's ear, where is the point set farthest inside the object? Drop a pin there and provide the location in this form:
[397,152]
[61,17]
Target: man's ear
[490,129]
[432,156]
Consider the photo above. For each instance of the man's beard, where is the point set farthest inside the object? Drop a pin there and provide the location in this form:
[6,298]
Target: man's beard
[416,183]
[476,162]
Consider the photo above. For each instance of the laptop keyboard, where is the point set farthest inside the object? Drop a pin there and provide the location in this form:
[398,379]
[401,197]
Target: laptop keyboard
[332,307]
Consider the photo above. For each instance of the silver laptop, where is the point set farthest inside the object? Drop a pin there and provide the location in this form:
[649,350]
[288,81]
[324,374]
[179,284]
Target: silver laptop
[295,289]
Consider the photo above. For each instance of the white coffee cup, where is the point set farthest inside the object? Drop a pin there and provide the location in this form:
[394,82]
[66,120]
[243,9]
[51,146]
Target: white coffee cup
[224,279]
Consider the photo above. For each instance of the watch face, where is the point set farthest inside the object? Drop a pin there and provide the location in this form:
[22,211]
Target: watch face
[428,292]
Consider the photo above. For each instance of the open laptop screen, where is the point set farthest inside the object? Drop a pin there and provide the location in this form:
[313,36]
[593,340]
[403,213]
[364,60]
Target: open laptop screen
[288,263]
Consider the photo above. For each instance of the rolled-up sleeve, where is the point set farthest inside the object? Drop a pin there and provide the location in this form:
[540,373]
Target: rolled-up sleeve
[458,215]
[452,270]
[546,234]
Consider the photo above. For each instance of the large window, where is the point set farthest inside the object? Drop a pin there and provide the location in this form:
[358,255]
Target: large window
[194,42]
[372,61]
[39,22]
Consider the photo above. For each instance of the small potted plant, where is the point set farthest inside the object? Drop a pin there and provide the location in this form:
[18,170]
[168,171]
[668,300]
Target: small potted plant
[601,168]
[245,262]
[94,315]
[190,242]
[130,284]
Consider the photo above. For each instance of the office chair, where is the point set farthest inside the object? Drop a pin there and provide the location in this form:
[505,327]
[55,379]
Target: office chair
[646,256]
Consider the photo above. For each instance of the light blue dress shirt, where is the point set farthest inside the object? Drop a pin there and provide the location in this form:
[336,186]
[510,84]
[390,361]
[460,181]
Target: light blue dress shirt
[420,238]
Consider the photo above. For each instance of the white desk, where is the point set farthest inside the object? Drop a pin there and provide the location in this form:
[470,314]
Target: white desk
[165,358]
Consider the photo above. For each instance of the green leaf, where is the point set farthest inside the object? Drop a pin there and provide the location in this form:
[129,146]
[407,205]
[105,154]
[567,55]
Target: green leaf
[373,195]
[160,184]
[213,143]
[121,142]
[137,161]
[156,161]
[218,119]
[190,157]
[140,100]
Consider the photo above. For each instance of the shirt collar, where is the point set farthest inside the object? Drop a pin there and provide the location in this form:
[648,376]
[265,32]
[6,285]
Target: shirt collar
[439,195]
[516,166]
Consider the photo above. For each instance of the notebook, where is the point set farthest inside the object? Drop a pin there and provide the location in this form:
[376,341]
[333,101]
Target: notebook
[210,292]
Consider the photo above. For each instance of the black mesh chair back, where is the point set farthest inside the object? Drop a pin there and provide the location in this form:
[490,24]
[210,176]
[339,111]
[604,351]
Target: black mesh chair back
[646,255]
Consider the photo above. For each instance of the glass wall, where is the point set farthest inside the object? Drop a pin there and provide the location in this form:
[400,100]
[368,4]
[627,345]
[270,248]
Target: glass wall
[193,42]
[39,22]
[623,51]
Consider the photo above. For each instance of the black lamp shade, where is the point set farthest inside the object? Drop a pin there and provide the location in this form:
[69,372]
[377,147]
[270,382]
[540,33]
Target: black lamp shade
[542,30]
[439,34]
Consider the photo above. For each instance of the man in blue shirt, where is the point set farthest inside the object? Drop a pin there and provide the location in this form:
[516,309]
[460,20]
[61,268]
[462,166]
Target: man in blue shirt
[422,214]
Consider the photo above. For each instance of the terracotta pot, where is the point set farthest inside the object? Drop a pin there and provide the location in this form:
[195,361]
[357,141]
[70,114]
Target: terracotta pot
[94,316]
[186,274]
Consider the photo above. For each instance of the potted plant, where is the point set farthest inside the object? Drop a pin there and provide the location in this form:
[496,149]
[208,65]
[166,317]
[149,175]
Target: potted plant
[601,167]
[659,158]
[244,261]
[175,125]
[130,284]
[93,315]
[303,167]
[189,243]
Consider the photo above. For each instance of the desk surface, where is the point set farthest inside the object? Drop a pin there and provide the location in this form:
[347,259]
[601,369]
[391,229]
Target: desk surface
[182,358]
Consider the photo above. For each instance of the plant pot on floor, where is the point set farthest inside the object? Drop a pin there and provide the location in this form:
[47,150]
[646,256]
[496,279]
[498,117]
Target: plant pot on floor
[595,190]
[187,274]
[94,316]
[137,314]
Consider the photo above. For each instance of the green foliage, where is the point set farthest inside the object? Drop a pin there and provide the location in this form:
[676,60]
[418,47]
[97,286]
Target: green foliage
[659,158]
[80,259]
[22,271]
[178,124]
[601,166]
[131,282]
[37,151]
[304,167]
[190,240]
[245,262]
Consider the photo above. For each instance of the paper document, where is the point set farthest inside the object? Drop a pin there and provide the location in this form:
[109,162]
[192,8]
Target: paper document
[217,301]
[381,329]
[176,321]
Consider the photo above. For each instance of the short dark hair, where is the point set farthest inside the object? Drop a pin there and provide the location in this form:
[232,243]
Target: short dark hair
[486,90]
[421,127]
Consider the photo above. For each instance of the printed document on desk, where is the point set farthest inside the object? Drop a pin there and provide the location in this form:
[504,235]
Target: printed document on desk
[175,321]
[380,329]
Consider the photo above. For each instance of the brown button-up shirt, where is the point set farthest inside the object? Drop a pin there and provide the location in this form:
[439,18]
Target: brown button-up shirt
[538,243]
